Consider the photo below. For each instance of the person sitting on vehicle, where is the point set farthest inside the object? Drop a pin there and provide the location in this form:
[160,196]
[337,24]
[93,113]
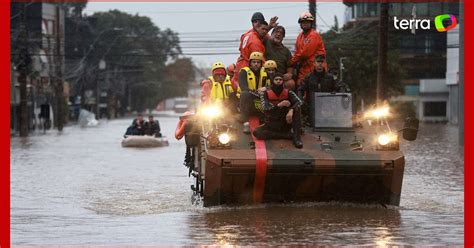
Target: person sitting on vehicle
[152,127]
[252,80]
[317,81]
[137,127]
[270,68]
[221,88]
[282,113]
[275,50]
[230,71]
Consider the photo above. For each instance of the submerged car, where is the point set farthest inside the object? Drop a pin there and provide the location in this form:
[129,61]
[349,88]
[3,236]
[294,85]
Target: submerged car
[346,157]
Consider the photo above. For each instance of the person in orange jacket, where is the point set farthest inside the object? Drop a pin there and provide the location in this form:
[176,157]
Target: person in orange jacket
[252,41]
[308,45]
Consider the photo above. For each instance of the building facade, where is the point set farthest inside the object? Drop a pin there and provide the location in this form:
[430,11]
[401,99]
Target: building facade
[44,25]
[426,55]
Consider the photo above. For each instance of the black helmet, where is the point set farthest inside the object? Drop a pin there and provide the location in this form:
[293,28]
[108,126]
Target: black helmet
[320,58]
[257,16]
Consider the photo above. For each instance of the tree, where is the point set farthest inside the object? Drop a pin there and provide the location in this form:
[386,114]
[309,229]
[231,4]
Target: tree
[335,28]
[357,45]
[178,75]
[136,52]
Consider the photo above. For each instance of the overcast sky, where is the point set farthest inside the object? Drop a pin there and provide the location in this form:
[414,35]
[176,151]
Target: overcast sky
[218,26]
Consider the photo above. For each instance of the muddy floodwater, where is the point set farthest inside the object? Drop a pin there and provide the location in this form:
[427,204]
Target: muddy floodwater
[82,187]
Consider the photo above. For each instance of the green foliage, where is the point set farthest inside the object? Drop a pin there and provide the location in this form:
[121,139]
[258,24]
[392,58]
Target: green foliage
[178,75]
[335,28]
[136,52]
[358,48]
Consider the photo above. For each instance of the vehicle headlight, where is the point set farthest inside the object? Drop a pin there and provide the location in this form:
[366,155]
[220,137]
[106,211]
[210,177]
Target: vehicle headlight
[383,139]
[378,112]
[388,140]
[224,138]
[212,112]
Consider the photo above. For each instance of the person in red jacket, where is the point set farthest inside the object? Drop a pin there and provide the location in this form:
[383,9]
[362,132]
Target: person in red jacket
[252,41]
[308,45]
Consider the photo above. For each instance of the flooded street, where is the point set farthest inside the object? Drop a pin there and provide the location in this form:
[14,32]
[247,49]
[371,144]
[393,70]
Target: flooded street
[82,187]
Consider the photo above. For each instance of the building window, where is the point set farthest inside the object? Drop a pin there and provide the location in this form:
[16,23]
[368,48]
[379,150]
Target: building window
[407,9]
[422,10]
[372,9]
[412,90]
[434,109]
[428,44]
[48,27]
[395,9]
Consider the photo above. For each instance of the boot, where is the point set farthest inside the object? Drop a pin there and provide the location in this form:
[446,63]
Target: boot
[297,141]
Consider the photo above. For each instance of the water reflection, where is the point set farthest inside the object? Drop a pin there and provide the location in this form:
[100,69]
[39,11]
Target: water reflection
[323,223]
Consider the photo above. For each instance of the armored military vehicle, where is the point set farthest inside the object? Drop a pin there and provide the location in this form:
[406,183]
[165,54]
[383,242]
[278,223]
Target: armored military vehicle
[346,157]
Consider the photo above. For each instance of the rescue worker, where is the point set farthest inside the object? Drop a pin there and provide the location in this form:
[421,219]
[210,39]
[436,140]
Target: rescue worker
[275,50]
[230,71]
[152,127]
[308,45]
[282,113]
[221,87]
[252,41]
[270,68]
[252,79]
[316,81]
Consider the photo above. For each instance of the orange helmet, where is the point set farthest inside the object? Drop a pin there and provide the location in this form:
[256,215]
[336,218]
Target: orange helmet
[306,16]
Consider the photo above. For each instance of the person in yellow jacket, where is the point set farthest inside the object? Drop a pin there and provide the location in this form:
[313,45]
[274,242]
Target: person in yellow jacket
[252,80]
[219,87]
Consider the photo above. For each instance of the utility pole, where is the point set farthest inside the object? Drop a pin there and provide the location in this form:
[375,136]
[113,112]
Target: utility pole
[382,51]
[59,73]
[24,63]
[312,10]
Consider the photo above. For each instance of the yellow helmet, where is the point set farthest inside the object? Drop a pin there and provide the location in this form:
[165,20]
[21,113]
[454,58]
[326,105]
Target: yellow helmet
[256,55]
[217,65]
[270,64]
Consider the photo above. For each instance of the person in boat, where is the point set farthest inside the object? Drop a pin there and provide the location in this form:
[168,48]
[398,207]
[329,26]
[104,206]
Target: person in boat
[137,127]
[252,79]
[152,127]
[275,50]
[309,44]
[282,113]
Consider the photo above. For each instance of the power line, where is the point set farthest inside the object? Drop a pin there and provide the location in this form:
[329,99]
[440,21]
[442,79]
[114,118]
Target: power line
[208,11]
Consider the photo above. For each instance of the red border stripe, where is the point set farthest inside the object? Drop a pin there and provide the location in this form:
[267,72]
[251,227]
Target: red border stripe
[5,123]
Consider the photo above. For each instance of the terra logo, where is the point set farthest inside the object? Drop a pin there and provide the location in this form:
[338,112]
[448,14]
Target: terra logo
[415,24]
[439,22]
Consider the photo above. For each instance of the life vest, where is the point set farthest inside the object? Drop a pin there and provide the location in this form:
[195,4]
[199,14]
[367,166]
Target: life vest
[227,78]
[263,81]
[220,91]
[274,99]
